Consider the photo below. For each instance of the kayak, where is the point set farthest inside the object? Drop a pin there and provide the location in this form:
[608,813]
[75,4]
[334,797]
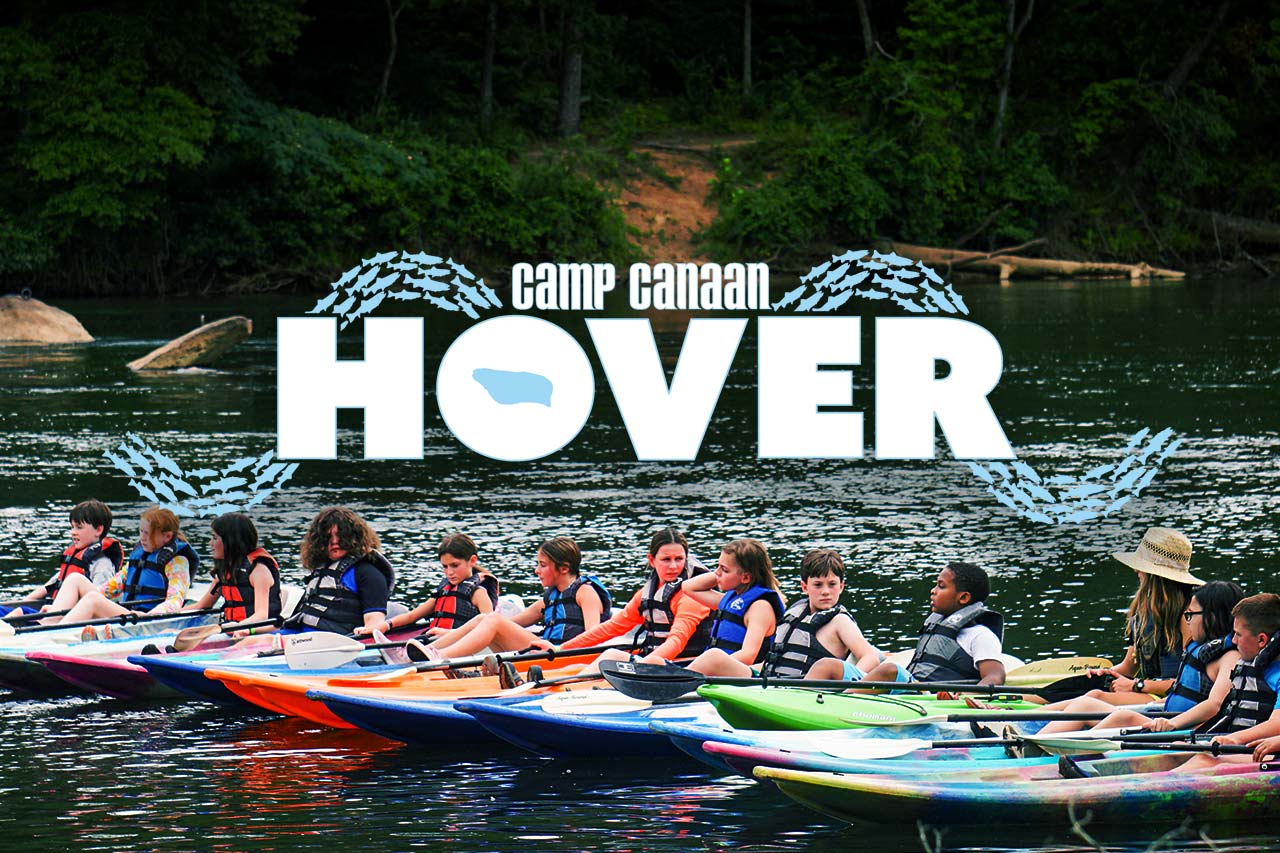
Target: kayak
[20,673]
[597,723]
[1124,795]
[419,722]
[743,759]
[800,708]
[285,691]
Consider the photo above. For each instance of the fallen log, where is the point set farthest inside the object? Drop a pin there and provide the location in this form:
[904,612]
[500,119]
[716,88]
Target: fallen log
[1005,265]
[200,346]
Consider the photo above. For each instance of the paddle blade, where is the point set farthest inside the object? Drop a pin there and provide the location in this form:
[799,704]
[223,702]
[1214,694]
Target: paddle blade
[189,638]
[320,650]
[654,682]
[6,630]
[1039,673]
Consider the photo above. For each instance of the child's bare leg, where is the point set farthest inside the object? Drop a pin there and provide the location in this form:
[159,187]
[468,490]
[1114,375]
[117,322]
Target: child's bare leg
[718,662]
[94,605]
[1082,704]
[74,588]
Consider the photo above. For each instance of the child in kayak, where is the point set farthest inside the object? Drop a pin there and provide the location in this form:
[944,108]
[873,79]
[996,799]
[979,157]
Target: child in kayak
[91,553]
[748,606]
[816,633]
[961,639]
[1248,715]
[244,575]
[571,603]
[672,622]
[1203,679]
[159,570]
[349,580]
[1163,563]
[467,590]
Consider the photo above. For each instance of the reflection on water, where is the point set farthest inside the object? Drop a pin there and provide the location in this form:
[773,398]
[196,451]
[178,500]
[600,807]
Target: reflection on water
[1086,366]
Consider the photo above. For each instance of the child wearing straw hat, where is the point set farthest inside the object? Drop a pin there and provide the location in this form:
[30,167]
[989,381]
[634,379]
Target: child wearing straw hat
[1163,563]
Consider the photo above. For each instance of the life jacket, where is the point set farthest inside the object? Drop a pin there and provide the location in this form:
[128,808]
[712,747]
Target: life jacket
[77,562]
[453,601]
[238,594]
[729,627]
[658,614]
[795,645]
[1251,699]
[938,656]
[561,615]
[145,577]
[327,604]
[1192,683]
[1154,660]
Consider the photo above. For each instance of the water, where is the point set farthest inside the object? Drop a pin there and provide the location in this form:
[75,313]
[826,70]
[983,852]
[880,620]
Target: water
[1086,366]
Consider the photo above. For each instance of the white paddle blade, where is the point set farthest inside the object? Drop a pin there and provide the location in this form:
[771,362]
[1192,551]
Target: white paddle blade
[320,650]
[6,630]
[1041,672]
[874,747]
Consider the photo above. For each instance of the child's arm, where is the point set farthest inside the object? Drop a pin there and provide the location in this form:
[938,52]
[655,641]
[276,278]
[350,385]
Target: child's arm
[210,596]
[480,598]
[689,613]
[530,615]
[588,601]
[703,588]
[177,573]
[865,655]
[621,623]
[761,622]
[423,610]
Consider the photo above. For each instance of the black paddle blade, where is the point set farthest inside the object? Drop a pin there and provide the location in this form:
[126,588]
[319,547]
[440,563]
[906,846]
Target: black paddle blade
[1075,685]
[654,682]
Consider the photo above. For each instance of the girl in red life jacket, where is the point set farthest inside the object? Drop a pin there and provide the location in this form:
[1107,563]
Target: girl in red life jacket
[748,606]
[467,591]
[159,568]
[570,604]
[245,576]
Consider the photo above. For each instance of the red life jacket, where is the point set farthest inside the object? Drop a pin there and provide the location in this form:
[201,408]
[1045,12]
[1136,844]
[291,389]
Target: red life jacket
[77,561]
[453,603]
[238,593]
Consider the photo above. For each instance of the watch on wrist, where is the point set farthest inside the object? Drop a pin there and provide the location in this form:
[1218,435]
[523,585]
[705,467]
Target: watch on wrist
[1140,686]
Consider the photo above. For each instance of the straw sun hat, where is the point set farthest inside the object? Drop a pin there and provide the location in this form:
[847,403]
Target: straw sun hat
[1162,552]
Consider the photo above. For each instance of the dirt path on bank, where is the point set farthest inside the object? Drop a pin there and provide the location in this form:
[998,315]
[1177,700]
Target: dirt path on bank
[668,217]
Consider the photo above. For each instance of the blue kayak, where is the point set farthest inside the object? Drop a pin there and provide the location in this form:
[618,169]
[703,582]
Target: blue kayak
[586,724]
[413,721]
[185,673]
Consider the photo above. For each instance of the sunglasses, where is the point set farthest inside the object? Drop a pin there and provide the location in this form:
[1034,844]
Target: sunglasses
[1187,614]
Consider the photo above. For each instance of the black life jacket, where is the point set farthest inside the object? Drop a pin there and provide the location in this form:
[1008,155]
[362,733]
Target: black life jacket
[795,644]
[659,615]
[729,625]
[454,606]
[327,604]
[238,594]
[1153,659]
[1192,681]
[77,562]
[1251,699]
[561,615]
[145,577]
[938,656]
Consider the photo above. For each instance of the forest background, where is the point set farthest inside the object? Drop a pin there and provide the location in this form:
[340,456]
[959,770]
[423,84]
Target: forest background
[160,147]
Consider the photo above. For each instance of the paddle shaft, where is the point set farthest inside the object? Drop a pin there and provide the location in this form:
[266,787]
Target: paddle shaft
[123,619]
[931,686]
[1013,716]
[32,617]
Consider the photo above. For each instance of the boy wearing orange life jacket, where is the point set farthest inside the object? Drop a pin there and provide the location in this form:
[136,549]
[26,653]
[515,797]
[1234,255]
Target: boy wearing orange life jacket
[91,553]
[466,591]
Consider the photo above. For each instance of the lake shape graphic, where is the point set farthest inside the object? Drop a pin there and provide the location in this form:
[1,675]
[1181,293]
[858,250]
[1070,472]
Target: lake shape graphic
[509,387]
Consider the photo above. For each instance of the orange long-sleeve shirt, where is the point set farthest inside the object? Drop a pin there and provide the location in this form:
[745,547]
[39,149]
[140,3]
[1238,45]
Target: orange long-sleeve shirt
[689,612]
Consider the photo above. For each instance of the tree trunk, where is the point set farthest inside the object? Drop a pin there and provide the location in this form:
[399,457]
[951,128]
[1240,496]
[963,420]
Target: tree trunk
[1248,230]
[868,37]
[570,118]
[486,74]
[1192,56]
[1012,30]
[392,15]
[1006,265]
[746,48]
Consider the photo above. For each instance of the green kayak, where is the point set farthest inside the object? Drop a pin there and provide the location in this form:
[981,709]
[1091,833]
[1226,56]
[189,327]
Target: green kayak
[800,708]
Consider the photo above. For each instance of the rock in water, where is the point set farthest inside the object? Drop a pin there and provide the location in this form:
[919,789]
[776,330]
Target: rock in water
[201,346]
[31,321]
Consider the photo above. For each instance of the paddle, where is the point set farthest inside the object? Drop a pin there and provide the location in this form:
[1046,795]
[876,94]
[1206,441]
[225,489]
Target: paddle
[656,682]
[1040,673]
[872,748]
[1059,745]
[32,617]
[123,619]
[189,638]
[326,650]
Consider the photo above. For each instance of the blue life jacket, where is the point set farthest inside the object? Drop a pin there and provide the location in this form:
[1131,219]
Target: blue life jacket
[561,615]
[729,629]
[145,577]
[1192,684]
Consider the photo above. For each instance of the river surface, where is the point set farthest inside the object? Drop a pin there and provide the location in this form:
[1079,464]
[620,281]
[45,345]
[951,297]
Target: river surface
[1086,366]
